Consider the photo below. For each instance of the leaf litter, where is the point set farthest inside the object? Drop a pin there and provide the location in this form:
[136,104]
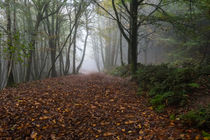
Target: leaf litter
[84,107]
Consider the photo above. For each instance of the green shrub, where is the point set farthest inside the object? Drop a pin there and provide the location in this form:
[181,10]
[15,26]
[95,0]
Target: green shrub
[149,75]
[120,71]
[206,135]
[172,117]
[204,70]
[160,108]
[167,86]
[198,118]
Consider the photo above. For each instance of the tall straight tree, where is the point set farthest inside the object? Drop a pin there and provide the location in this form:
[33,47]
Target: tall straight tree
[9,42]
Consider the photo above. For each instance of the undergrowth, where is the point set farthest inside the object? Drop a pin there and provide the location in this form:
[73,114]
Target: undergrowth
[170,86]
[199,118]
[167,85]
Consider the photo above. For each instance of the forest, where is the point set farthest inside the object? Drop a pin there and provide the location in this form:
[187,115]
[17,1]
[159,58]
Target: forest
[105,69]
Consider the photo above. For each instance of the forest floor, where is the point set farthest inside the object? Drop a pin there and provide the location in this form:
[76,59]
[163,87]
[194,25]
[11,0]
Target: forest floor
[84,107]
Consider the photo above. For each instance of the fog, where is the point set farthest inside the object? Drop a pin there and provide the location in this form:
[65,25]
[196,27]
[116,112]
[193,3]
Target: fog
[89,64]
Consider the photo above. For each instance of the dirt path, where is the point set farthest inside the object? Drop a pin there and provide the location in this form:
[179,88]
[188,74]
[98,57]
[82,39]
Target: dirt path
[82,107]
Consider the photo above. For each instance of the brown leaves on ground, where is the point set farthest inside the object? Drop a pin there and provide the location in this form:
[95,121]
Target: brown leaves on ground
[83,107]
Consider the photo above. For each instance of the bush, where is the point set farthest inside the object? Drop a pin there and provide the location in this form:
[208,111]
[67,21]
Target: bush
[199,118]
[167,85]
[121,71]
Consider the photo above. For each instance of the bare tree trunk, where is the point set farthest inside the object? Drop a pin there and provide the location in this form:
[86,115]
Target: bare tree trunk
[74,49]
[9,43]
[85,45]
[32,47]
[134,34]
[121,50]
[67,66]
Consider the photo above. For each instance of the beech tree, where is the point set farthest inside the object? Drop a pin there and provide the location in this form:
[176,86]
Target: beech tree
[133,12]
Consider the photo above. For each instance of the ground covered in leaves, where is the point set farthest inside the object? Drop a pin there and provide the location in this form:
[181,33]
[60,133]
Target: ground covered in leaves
[83,107]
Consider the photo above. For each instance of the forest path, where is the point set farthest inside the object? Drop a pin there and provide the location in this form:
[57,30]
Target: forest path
[85,107]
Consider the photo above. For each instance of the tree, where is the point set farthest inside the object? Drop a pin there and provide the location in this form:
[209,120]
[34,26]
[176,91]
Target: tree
[133,11]
[87,15]
[9,43]
[41,7]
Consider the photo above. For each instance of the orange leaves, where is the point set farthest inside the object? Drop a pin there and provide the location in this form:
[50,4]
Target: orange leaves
[1,129]
[139,126]
[172,124]
[141,132]
[45,111]
[104,123]
[53,137]
[112,100]
[129,132]
[37,103]
[122,108]
[129,122]
[92,107]
[33,135]
[150,108]
[140,138]
[54,121]
[85,107]
[108,134]
[44,117]
[117,124]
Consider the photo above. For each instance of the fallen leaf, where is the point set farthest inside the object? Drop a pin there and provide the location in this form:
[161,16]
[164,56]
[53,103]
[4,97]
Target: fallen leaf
[53,137]
[139,126]
[129,122]
[43,117]
[141,132]
[108,134]
[130,131]
[33,135]
[118,124]
[123,130]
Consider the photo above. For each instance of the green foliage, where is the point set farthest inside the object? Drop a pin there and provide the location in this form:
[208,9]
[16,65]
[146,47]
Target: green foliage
[194,85]
[206,135]
[140,92]
[20,48]
[172,117]
[167,86]
[199,118]
[160,108]
[204,70]
[121,71]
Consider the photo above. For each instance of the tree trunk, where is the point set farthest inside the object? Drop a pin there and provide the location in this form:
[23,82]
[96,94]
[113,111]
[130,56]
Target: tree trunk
[32,47]
[85,45]
[74,49]
[9,43]
[134,34]
[121,50]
